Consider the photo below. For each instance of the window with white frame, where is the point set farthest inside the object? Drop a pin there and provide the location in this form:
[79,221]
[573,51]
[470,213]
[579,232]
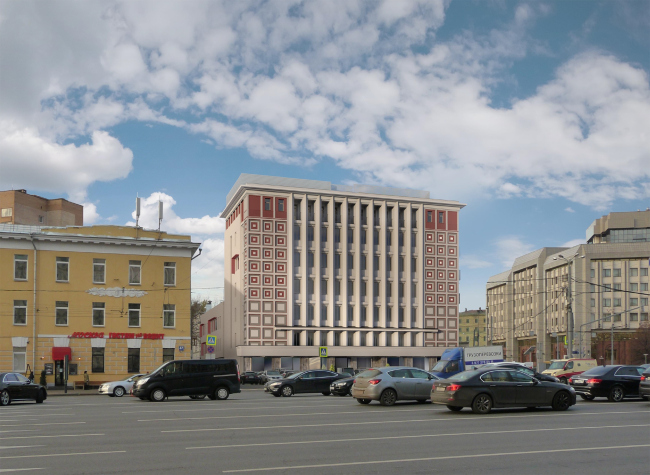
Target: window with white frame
[99,314]
[134,314]
[62,269]
[20,312]
[170,273]
[135,269]
[61,313]
[169,315]
[20,266]
[20,359]
[99,271]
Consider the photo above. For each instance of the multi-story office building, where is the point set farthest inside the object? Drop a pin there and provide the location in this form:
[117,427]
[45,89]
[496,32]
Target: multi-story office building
[369,272]
[19,207]
[471,328]
[115,300]
[604,283]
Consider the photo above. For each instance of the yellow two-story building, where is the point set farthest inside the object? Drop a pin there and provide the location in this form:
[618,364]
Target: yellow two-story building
[115,300]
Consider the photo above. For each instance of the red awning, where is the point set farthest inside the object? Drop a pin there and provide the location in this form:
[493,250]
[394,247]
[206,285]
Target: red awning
[59,352]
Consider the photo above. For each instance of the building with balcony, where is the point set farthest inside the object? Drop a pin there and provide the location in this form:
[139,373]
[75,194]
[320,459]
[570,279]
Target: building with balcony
[369,272]
[115,300]
[528,305]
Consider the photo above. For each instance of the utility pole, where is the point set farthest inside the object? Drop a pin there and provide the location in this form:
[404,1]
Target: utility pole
[611,339]
[570,317]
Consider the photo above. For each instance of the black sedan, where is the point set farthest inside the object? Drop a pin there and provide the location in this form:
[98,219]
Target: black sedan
[524,369]
[251,377]
[16,387]
[342,387]
[644,385]
[312,381]
[614,382]
[485,388]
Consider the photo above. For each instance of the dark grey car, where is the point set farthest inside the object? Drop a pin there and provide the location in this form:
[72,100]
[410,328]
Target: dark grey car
[393,383]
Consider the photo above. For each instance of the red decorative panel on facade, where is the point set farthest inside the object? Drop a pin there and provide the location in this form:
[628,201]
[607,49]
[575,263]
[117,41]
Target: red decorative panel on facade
[254,293]
[429,262]
[268,226]
[254,239]
[254,225]
[268,294]
[268,267]
[452,262]
[441,263]
[268,280]
[441,250]
[268,254]
[281,208]
[441,287]
[280,241]
[452,299]
[441,299]
[452,287]
[429,250]
[253,252]
[429,219]
[268,240]
[441,220]
[452,238]
[281,281]
[280,228]
[279,254]
[429,274]
[452,276]
[452,220]
[280,294]
[441,237]
[429,236]
[254,279]
[280,267]
[452,251]
[253,266]
[267,207]
[441,275]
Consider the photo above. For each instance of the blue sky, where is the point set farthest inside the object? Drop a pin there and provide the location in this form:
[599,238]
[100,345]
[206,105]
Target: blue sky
[535,114]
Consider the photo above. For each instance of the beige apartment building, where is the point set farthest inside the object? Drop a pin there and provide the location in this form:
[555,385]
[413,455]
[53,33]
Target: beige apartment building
[606,280]
[19,207]
[471,328]
[370,273]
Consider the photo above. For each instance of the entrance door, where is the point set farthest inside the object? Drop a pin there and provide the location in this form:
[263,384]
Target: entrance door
[58,373]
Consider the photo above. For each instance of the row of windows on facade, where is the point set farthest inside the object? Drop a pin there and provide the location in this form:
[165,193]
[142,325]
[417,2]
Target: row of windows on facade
[62,312]
[633,287]
[363,261]
[633,302]
[363,339]
[633,272]
[338,215]
[21,262]
[363,288]
[337,314]
[212,327]
[401,236]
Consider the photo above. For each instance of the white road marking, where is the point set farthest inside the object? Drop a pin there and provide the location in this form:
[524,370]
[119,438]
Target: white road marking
[43,424]
[18,430]
[453,434]
[21,447]
[50,436]
[429,459]
[62,455]
[259,408]
[7,470]
[446,419]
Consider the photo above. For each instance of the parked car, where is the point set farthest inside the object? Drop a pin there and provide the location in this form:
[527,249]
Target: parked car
[391,384]
[564,369]
[644,385]
[615,382]
[525,369]
[312,381]
[485,388]
[195,378]
[270,375]
[16,387]
[119,388]
[342,387]
[251,377]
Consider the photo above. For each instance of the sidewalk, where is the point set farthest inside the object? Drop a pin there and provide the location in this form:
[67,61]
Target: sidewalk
[52,392]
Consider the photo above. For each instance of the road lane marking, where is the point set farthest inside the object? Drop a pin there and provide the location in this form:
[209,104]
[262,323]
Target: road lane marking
[62,455]
[43,424]
[50,436]
[7,470]
[18,430]
[429,459]
[21,447]
[260,408]
[453,434]
[408,421]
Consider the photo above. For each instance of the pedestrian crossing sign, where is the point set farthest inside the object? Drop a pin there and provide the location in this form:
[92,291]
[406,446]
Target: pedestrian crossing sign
[211,340]
[323,352]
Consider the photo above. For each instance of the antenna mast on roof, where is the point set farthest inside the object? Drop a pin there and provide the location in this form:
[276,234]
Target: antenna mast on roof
[137,210]
[160,213]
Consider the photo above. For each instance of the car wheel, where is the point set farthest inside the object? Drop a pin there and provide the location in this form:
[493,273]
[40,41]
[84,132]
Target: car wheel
[561,401]
[5,399]
[363,401]
[587,397]
[455,408]
[222,393]
[563,380]
[388,397]
[482,404]
[286,391]
[326,393]
[616,394]
[118,391]
[157,395]
[40,397]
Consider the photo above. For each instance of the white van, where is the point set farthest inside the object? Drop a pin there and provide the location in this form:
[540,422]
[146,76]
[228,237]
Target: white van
[564,369]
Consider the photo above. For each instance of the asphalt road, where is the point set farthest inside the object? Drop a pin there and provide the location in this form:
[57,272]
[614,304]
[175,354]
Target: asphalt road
[253,432]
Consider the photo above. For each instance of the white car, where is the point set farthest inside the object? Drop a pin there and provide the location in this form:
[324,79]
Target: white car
[119,388]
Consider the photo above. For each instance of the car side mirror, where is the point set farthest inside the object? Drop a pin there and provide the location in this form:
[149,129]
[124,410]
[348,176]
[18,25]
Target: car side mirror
[430,377]
[535,381]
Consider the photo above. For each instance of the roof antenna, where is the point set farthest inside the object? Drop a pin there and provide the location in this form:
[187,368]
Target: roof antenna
[137,210]
[160,213]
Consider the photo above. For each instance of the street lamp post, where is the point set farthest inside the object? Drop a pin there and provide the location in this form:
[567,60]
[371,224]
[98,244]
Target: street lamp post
[569,305]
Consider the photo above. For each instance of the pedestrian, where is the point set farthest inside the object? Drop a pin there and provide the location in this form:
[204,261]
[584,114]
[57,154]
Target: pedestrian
[86,380]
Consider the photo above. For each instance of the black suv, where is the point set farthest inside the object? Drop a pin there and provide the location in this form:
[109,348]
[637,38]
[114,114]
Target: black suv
[313,381]
[215,378]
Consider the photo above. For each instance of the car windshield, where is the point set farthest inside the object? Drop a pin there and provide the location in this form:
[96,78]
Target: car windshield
[557,365]
[157,370]
[440,366]
[597,371]
[295,375]
[464,376]
[369,373]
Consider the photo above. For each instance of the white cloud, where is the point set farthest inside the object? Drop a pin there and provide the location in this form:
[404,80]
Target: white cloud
[207,225]
[573,242]
[91,216]
[208,271]
[569,210]
[474,262]
[508,248]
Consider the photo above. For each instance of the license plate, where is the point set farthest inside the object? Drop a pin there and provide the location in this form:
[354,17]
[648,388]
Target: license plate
[440,388]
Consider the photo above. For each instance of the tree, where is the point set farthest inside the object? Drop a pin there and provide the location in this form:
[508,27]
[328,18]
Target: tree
[640,343]
[197,308]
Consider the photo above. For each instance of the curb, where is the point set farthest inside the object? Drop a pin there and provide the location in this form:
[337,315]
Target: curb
[60,394]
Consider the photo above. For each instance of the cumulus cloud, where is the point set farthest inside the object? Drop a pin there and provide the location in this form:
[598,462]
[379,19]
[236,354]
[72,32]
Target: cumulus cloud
[474,262]
[208,271]
[508,248]
[569,210]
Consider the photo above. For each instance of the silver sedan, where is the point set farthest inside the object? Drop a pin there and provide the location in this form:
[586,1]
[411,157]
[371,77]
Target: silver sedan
[393,383]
